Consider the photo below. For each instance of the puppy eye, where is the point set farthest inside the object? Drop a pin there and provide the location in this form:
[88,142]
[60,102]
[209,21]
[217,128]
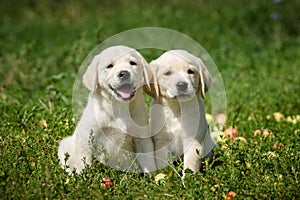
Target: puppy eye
[190,71]
[132,63]
[168,73]
[109,66]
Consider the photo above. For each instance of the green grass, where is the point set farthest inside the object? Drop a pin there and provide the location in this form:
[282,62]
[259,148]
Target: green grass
[42,45]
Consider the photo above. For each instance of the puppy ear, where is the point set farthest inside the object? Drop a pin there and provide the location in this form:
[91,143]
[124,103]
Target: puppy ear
[153,89]
[90,77]
[146,73]
[205,78]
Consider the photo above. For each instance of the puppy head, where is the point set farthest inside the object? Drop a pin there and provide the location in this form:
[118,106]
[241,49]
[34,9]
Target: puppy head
[118,71]
[178,74]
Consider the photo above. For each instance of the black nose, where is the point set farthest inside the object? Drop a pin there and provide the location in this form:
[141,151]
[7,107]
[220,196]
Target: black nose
[124,74]
[182,86]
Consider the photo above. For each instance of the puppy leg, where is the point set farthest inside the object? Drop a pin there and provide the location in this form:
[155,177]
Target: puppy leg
[66,146]
[161,154]
[145,154]
[77,157]
[191,158]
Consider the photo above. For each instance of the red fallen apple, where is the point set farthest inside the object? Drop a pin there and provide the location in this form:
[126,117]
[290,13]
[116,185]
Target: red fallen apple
[106,183]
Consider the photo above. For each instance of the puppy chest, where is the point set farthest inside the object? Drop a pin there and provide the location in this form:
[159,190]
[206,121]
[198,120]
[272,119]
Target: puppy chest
[170,131]
[116,139]
[172,126]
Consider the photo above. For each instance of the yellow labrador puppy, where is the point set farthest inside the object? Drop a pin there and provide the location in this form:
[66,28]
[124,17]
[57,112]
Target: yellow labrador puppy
[113,125]
[178,125]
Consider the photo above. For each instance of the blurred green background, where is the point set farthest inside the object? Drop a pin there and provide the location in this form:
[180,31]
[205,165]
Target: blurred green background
[244,38]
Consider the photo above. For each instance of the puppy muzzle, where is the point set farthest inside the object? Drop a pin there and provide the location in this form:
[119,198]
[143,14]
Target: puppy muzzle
[182,91]
[125,91]
[124,75]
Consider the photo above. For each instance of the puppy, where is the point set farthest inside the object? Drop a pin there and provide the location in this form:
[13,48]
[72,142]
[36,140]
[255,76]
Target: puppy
[179,82]
[113,126]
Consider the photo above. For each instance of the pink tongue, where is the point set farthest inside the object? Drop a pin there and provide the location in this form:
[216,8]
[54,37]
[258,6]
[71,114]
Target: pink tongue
[124,92]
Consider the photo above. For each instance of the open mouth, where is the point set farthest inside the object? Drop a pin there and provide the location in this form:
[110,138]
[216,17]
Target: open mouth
[125,91]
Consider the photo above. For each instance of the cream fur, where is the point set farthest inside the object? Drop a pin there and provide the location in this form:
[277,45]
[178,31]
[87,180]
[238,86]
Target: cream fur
[178,123]
[112,128]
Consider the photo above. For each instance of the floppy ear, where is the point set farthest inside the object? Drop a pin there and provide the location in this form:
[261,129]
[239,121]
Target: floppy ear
[153,89]
[146,73]
[90,77]
[205,78]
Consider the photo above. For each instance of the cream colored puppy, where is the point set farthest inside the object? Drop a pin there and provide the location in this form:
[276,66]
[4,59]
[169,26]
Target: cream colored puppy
[178,125]
[113,126]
